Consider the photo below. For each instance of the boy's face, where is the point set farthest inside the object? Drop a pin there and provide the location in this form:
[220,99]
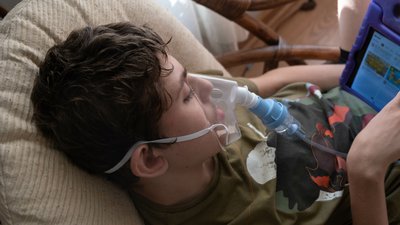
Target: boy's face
[191,110]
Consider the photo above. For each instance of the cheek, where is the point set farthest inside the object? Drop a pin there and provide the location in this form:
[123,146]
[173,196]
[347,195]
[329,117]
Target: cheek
[211,113]
[184,121]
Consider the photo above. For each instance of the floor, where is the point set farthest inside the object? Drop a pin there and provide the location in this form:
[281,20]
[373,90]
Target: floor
[318,27]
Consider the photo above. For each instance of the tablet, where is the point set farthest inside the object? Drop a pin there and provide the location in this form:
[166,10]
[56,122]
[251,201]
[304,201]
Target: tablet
[372,71]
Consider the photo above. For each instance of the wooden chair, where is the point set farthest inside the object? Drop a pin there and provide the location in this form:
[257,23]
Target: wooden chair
[275,49]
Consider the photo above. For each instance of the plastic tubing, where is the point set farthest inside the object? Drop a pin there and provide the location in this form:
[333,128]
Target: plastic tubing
[319,146]
[276,117]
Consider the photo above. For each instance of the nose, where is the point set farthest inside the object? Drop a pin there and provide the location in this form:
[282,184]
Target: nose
[201,87]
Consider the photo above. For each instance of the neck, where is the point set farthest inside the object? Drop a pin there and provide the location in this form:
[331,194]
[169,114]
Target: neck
[177,186]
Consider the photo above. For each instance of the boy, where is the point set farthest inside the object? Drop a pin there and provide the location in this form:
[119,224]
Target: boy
[105,92]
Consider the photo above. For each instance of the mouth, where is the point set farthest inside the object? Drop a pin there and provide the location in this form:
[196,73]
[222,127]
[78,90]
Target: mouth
[220,114]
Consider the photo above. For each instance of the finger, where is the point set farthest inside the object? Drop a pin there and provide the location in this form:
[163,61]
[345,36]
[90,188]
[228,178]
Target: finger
[394,103]
[396,99]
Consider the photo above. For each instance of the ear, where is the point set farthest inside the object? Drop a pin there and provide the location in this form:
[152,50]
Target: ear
[146,163]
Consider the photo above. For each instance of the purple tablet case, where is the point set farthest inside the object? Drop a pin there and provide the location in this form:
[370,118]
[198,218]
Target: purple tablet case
[372,71]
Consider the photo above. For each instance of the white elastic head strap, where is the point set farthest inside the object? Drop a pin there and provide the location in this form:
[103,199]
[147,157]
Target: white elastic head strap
[164,141]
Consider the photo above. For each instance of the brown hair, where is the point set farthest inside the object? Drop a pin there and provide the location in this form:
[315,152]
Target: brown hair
[99,92]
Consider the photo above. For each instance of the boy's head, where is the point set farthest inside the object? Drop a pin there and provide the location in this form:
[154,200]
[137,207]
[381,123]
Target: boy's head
[111,74]
[106,88]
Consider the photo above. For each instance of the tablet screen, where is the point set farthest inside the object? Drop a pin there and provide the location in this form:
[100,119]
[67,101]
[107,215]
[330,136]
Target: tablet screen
[377,77]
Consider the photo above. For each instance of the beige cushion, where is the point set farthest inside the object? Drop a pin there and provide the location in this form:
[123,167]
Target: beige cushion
[38,185]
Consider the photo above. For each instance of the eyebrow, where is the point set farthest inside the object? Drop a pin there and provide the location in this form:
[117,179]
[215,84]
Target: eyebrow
[182,82]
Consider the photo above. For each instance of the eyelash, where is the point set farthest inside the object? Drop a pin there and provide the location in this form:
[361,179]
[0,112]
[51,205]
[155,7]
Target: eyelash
[189,96]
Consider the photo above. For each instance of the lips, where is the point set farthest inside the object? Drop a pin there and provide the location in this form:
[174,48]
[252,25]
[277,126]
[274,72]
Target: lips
[220,114]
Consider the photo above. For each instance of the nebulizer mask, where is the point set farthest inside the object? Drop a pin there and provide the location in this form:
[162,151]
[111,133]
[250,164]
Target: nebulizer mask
[223,96]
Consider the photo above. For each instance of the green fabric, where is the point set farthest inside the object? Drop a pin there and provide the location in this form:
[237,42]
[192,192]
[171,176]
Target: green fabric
[267,179]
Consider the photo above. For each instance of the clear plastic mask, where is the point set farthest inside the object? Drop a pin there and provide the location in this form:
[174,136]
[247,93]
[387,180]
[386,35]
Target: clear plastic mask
[223,96]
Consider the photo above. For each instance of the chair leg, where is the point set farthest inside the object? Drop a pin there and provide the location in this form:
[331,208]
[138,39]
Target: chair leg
[309,5]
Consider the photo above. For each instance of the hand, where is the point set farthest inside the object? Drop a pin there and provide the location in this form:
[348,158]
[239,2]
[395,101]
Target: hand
[377,145]
[374,148]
